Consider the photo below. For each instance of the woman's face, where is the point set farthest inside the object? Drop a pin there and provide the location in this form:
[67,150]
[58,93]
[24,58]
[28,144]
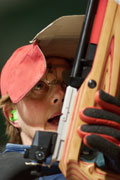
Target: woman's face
[41,108]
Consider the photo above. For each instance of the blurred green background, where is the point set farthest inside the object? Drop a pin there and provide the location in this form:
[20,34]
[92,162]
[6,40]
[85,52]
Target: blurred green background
[21,20]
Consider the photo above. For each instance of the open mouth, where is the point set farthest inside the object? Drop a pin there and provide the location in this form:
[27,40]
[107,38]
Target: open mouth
[54,120]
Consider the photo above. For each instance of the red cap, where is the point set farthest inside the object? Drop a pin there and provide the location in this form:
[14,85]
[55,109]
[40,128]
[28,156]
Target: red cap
[22,71]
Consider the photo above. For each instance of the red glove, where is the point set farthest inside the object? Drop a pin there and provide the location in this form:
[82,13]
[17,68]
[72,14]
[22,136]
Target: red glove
[102,131]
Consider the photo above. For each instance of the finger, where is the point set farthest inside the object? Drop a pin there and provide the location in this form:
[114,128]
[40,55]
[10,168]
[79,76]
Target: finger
[109,133]
[106,147]
[100,116]
[107,101]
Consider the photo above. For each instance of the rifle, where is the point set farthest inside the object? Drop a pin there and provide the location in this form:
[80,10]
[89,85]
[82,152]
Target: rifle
[104,74]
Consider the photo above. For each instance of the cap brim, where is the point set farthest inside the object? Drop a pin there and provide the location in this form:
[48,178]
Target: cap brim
[61,37]
[22,71]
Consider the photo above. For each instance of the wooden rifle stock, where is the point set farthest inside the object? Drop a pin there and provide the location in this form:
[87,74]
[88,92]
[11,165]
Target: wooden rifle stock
[104,74]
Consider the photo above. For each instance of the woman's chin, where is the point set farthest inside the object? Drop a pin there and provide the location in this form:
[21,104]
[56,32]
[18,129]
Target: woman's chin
[51,127]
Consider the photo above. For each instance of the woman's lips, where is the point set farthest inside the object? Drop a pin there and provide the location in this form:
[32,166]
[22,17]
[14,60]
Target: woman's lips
[54,119]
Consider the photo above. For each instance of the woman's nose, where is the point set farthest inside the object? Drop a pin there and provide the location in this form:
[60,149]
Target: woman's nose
[58,96]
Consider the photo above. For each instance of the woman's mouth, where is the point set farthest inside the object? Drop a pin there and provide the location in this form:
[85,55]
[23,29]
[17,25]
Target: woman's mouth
[54,120]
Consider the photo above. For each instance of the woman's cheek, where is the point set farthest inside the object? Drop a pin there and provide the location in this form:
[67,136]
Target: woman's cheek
[33,114]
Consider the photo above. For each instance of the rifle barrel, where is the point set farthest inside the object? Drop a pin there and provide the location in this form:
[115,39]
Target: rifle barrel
[85,37]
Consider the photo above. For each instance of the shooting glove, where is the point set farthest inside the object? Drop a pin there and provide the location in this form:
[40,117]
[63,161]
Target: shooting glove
[102,131]
[12,167]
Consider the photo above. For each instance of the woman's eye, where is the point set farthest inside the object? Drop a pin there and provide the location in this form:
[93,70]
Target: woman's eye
[40,86]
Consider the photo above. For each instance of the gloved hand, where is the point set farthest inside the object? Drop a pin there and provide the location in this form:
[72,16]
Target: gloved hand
[102,131]
[12,167]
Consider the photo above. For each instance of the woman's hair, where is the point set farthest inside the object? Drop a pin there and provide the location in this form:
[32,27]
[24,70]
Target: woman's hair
[12,132]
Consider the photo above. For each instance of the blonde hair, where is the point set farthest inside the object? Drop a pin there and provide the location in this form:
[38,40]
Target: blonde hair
[12,133]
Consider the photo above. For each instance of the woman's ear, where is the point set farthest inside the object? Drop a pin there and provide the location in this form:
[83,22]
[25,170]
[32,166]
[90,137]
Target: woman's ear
[11,116]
